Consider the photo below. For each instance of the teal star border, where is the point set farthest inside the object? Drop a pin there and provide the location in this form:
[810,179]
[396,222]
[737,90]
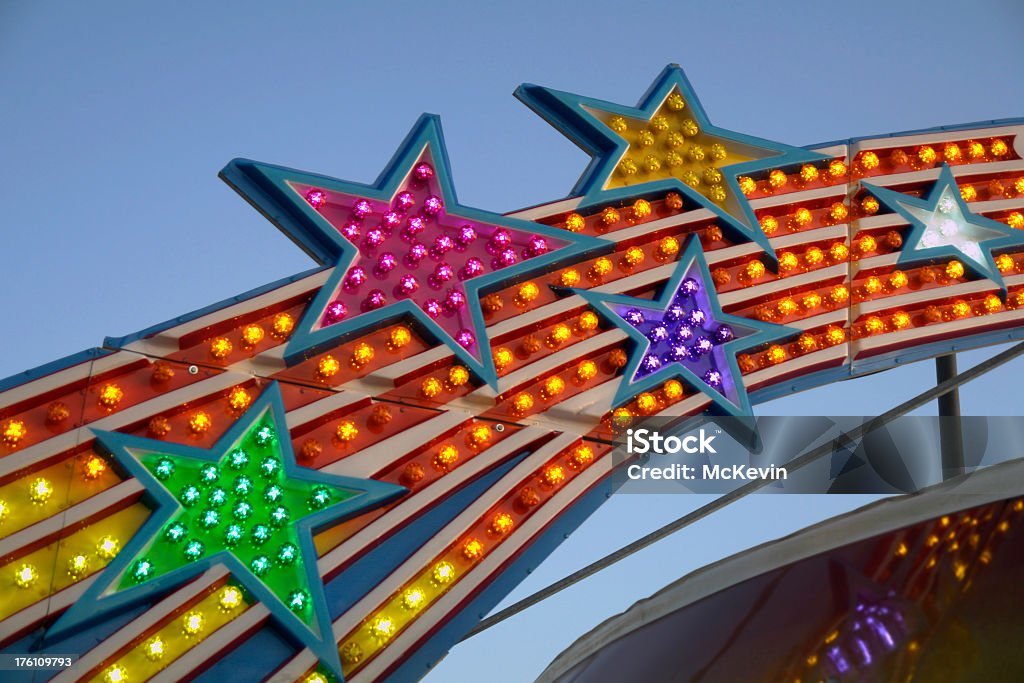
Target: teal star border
[692,255]
[897,202]
[266,187]
[97,603]
[569,113]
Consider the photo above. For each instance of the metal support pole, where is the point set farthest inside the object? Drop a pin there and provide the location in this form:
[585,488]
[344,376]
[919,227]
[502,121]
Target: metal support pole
[951,435]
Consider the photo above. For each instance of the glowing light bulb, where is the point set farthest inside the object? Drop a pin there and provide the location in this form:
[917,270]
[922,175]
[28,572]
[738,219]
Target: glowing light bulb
[142,569]
[787,306]
[586,371]
[999,148]
[769,225]
[926,155]
[900,320]
[443,573]
[873,285]
[839,252]
[874,325]
[553,387]
[110,395]
[239,399]
[553,475]
[78,566]
[431,387]
[808,173]
[788,261]
[867,244]
[776,354]
[811,301]
[154,649]
[869,205]
[347,431]
[192,623]
[560,334]
[282,325]
[672,390]
[838,294]
[868,161]
[955,269]
[1015,220]
[40,490]
[108,547]
[93,467]
[472,549]
[200,423]
[1005,263]
[399,338]
[458,376]
[754,269]
[602,266]
[575,222]
[230,598]
[777,179]
[806,342]
[838,212]
[502,358]
[526,294]
[220,347]
[835,335]
[992,304]
[445,458]
[382,628]
[641,209]
[252,335]
[116,674]
[26,576]
[362,354]
[522,403]
[413,599]
[328,367]
[898,279]
[836,169]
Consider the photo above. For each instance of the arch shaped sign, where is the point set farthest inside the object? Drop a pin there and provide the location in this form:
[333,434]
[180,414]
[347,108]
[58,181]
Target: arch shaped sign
[333,476]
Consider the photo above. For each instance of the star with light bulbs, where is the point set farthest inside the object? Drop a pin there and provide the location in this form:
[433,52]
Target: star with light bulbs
[244,503]
[684,334]
[943,227]
[402,248]
[664,143]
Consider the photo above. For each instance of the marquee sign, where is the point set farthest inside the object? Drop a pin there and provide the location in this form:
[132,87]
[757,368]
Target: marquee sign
[335,475]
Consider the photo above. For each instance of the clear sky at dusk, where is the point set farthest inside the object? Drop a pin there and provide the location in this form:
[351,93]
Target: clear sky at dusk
[117,116]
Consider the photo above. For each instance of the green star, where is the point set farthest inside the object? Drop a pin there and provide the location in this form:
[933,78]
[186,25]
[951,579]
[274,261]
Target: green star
[245,504]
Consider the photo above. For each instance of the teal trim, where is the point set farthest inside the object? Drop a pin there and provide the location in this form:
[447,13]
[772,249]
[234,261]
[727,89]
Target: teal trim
[572,115]
[53,366]
[910,208]
[692,257]
[121,342]
[101,598]
[267,187]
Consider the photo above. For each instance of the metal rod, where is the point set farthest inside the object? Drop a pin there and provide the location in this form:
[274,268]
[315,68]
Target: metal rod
[951,437]
[924,398]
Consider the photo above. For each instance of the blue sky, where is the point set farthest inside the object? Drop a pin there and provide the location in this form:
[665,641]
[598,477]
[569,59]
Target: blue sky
[116,118]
